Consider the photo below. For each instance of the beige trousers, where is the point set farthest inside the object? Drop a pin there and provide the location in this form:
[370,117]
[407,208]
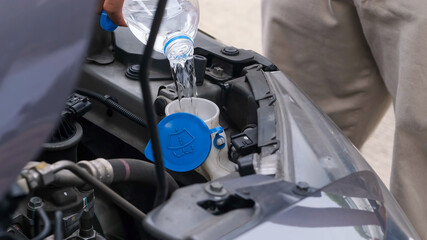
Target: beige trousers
[350,57]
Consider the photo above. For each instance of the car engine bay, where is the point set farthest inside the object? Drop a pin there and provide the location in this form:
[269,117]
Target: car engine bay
[279,165]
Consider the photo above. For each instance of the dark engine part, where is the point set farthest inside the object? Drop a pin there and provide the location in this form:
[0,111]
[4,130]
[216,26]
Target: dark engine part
[167,94]
[8,204]
[240,104]
[48,183]
[112,104]
[200,63]
[226,63]
[63,143]
[74,205]
[121,170]
[128,49]
[71,133]
[244,143]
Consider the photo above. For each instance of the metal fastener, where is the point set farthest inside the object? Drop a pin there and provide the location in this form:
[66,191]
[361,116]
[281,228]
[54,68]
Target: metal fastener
[35,202]
[302,186]
[216,186]
[218,71]
[216,189]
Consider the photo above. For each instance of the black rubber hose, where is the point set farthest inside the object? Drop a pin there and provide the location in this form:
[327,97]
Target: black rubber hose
[58,232]
[145,64]
[138,171]
[99,186]
[124,170]
[67,179]
[109,102]
[46,225]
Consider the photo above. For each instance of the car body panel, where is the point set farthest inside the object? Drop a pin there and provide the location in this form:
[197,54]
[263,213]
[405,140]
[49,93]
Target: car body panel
[43,46]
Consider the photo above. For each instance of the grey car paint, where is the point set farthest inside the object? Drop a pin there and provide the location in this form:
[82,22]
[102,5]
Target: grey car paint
[355,207]
[42,44]
[315,151]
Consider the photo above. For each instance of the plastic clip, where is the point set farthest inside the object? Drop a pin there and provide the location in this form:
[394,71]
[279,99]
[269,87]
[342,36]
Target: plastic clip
[219,141]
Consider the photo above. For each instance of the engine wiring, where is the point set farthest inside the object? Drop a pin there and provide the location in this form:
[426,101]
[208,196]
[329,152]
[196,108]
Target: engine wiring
[58,230]
[110,103]
[46,225]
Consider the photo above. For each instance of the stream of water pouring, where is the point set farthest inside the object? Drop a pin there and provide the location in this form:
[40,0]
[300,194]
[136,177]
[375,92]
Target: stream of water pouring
[184,76]
[175,37]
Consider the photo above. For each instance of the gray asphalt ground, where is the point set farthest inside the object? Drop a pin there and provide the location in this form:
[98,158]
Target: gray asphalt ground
[238,23]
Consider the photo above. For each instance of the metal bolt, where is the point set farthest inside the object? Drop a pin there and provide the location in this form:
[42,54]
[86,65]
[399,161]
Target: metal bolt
[35,202]
[218,71]
[302,186]
[216,187]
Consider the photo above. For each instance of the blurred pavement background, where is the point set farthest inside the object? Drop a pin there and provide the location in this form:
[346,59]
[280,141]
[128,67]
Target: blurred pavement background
[238,23]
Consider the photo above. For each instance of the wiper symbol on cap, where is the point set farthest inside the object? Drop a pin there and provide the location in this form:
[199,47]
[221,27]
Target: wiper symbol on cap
[180,142]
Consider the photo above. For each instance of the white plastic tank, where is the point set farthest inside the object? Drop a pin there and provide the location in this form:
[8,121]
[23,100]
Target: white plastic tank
[216,164]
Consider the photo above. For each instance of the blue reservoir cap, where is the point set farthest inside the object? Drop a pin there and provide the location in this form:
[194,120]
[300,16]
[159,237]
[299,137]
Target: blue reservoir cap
[185,140]
[106,22]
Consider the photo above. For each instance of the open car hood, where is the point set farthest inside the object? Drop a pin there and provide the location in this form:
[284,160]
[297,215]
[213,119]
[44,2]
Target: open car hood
[43,46]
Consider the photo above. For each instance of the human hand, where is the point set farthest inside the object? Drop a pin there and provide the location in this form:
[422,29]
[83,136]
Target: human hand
[114,10]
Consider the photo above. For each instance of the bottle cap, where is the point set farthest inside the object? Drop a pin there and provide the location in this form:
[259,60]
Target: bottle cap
[106,22]
[185,140]
[173,39]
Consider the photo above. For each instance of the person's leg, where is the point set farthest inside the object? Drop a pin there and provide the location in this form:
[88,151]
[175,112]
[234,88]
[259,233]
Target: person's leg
[397,34]
[319,44]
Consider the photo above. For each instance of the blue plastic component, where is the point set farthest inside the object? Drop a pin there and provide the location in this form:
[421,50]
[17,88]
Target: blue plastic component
[176,38]
[186,142]
[106,22]
[218,131]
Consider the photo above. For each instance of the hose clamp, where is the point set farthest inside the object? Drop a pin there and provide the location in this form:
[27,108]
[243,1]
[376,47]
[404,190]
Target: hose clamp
[99,168]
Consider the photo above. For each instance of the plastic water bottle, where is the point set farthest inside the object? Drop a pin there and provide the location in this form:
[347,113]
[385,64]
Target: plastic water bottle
[179,24]
[175,37]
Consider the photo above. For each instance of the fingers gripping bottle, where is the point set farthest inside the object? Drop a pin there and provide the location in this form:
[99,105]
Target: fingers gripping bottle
[175,37]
